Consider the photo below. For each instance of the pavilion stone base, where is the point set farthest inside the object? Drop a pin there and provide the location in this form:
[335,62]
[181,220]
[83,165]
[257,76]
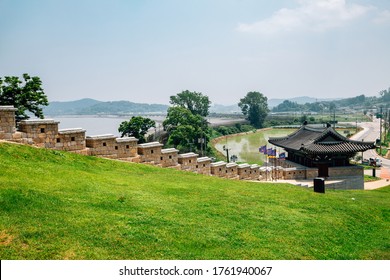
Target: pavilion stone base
[341,177]
[352,170]
[345,183]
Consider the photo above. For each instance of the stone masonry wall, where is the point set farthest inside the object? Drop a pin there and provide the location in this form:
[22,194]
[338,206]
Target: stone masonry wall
[255,172]
[150,152]
[126,147]
[71,139]
[45,133]
[188,161]
[232,171]
[7,122]
[243,171]
[102,145]
[169,157]
[353,170]
[42,132]
[203,165]
[218,169]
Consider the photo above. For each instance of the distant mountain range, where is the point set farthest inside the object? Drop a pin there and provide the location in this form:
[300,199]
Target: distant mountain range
[89,106]
[273,102]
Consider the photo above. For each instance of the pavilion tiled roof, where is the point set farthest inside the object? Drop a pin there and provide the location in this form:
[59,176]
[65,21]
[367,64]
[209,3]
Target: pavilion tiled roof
[320,141]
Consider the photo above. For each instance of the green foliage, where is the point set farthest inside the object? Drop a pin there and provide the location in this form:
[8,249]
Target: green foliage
[287,106]
[237,128]
[255,108]
[24,95]
[185,128]
[196,102]
[136,127]
[186,123]
[385,95]
[67,206]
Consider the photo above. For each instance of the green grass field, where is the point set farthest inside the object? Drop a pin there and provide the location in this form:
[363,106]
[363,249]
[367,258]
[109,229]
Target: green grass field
[57,205]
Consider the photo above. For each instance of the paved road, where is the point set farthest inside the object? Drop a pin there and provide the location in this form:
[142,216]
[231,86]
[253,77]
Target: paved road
[370,133]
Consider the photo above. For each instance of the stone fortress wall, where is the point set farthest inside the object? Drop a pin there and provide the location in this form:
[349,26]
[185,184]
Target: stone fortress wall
[45,133]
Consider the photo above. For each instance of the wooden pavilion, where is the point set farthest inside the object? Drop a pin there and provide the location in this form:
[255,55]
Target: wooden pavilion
[320,147]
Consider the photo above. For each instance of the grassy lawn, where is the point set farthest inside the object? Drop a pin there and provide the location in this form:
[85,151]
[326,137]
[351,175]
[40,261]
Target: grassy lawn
[57,205]
[368,178]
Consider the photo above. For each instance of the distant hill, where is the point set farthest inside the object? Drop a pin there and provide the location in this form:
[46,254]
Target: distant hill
[227,109]
[95,107]
[88,106]
[68,107]
[273,102]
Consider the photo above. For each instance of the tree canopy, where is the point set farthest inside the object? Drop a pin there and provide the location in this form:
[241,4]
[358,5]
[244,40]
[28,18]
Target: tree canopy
[185,128]
[26,95]
[196,102]
[254,106]
[136,127]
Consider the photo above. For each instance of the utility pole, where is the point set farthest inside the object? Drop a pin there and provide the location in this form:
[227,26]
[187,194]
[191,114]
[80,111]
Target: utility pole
[227,153]
[334,118]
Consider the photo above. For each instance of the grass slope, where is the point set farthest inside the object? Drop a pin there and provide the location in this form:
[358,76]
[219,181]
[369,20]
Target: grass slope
[57,205]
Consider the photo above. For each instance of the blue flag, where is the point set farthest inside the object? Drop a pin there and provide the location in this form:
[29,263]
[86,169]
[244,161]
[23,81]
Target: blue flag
[263,149]
[282,156]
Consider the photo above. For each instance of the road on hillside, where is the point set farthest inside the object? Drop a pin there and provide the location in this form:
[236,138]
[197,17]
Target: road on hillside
[370,133]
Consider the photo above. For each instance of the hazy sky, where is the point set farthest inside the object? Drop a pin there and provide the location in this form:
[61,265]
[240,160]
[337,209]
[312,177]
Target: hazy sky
[145,51]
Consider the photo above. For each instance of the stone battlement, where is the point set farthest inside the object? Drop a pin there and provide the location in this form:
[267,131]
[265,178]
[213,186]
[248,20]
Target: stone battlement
[45,133]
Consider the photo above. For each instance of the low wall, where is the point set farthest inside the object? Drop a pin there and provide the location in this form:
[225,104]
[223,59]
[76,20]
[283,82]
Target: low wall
[203,165]
[45,133]
[347,183]
[342,171]
[71,139]
[42,132]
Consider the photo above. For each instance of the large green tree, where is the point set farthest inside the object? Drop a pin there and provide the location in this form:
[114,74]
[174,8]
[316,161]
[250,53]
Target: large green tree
[26,95]
[185,128]
[196,102]
[254,106]
[136,127]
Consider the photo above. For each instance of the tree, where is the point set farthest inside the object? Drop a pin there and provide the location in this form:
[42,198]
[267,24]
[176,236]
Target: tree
[287,106]
[385,94]
[26,95]
[185,128]
[136,127]
[196,102]
[254,106]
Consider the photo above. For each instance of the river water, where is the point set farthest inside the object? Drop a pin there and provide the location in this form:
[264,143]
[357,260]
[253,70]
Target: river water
[96,125]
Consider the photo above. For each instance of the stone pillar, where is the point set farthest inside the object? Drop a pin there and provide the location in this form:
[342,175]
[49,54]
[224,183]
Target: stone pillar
[7,122]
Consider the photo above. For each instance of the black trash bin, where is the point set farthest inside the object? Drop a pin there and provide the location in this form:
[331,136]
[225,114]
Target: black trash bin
[319,185]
